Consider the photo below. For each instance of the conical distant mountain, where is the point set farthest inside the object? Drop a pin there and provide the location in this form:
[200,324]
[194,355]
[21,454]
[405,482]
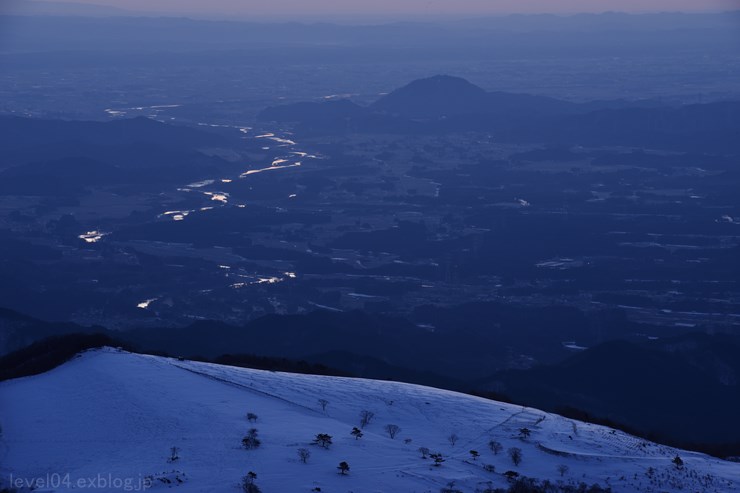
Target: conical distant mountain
[446,96]
[434,97]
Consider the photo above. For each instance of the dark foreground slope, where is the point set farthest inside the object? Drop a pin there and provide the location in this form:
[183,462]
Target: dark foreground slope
[685,388]
[682,390]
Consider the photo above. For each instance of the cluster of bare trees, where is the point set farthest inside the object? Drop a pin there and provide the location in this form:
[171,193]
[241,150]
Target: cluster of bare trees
[251,440]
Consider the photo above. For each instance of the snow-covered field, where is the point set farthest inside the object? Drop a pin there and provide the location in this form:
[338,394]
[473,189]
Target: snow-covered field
[110,416]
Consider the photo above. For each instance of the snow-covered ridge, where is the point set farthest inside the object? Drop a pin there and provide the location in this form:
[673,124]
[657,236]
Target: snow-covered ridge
[109,416]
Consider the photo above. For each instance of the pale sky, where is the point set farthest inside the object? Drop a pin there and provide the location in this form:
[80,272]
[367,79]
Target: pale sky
[422,7]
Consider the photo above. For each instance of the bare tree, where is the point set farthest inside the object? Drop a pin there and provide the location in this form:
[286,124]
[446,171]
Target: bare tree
[515,454]
[511,475]
[562,469]
[323,403]
[248,485]
[453,438]
[323,440]
[392,430]
[424,452]
[304,454]
[174,454]
[524,432]
[343,468]
[366,417]
[356,432]
[251,441]
[495,447]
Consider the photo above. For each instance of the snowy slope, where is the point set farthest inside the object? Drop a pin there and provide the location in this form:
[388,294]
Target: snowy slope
[116,414]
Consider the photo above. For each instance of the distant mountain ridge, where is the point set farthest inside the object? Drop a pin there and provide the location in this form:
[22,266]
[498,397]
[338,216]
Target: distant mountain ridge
[40,7]
[73,154]
[444,104]
[433,98]
[18,331]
